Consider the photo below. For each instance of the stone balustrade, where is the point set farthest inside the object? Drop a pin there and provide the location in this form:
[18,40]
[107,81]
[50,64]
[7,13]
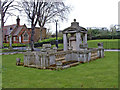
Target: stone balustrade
[45,58]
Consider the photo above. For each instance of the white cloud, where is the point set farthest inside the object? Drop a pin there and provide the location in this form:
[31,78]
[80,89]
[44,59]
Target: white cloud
[89,13]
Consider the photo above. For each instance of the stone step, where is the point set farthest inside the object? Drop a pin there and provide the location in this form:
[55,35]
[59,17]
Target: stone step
[92,58]
[94,54]
[32,66]
[64,61]
[20,64]
[60,59]
[53,68]
[70,65]
[74,64]
[66,66]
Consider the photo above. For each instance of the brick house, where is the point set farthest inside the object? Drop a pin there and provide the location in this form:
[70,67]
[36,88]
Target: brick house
[38,33]
[20,33]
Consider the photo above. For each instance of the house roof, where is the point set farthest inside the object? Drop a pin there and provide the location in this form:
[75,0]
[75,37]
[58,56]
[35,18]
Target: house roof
[8,29]
[17,31]
[12,29]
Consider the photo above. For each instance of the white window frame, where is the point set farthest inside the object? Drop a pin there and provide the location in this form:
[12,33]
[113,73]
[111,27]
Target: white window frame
[24,37]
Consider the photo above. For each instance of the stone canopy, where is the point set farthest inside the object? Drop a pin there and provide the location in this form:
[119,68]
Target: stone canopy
[74,28]
[77,38]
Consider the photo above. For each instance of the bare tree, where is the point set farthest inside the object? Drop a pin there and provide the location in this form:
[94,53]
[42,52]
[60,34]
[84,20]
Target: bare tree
[5,5]
[50,10]
[42,12]
[113,30]
[32,8]
[6,9]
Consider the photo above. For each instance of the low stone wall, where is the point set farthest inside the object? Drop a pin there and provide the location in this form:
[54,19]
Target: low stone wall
[47,58]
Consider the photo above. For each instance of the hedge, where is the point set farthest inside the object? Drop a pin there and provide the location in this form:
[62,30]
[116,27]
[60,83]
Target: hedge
[106,37]
[14,45]
[52,41]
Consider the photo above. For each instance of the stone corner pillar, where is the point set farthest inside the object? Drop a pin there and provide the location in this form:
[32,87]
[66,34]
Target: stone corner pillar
[65,43]
[10,41]
[78,41]
[85,40]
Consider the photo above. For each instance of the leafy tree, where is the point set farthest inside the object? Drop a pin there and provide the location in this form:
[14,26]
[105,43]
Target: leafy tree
[113,30]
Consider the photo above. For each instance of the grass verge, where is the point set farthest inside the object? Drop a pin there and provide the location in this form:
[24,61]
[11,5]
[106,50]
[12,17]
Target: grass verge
[101,73]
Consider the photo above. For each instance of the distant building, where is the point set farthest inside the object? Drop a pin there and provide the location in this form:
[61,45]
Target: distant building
[117,28]
[38,33]
[20,33]
[101,28]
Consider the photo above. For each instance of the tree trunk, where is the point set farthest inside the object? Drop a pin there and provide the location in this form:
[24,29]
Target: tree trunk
[32,39]
[40,33]
[1,31]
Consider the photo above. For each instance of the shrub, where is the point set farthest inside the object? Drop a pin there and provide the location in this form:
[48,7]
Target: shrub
[14,45]
[105,37]
[52,41]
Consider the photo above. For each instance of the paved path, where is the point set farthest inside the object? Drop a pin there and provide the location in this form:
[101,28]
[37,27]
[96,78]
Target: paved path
[112,50]
[24,48]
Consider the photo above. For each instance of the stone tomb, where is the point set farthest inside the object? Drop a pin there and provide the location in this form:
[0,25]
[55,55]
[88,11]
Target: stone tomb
[75,51]
[78,37]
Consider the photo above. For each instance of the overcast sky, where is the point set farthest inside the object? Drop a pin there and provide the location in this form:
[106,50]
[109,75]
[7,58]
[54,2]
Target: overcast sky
[89,13]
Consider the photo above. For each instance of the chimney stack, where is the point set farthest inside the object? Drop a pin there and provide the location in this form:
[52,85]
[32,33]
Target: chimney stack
[18,21]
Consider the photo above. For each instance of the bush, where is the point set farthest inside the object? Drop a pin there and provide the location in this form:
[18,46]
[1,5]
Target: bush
[14,45]
[105,37]
[60,46]
[52,41]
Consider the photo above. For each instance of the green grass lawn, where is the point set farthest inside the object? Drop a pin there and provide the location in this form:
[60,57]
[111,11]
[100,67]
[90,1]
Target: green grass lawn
[101,73]
[107,43]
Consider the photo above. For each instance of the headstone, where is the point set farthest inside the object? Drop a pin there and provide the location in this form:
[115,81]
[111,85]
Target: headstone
[47,46]
[100,45]
[18,61]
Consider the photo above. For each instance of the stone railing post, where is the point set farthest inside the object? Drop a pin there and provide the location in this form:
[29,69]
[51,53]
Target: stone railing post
[10,41]
[55,49]
[25,60]
[58,65]
[89,56]
[100,50]
[65,43]
[43,57]
[78,40]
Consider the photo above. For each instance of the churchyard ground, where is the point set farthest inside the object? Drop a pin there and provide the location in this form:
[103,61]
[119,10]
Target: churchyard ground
[100,73]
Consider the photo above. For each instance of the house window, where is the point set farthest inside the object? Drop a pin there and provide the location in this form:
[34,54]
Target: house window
[7,38]
[26,36]
[14,38]
[20,39]
[10,28]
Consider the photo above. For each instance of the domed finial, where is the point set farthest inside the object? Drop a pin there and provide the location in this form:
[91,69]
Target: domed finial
[74,20]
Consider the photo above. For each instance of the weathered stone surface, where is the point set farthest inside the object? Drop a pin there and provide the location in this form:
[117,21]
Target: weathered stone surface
[73,53]
[48,46]
[65,42]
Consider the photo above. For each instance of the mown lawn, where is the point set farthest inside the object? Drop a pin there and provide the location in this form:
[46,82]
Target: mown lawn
[107,43]
[101,73]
